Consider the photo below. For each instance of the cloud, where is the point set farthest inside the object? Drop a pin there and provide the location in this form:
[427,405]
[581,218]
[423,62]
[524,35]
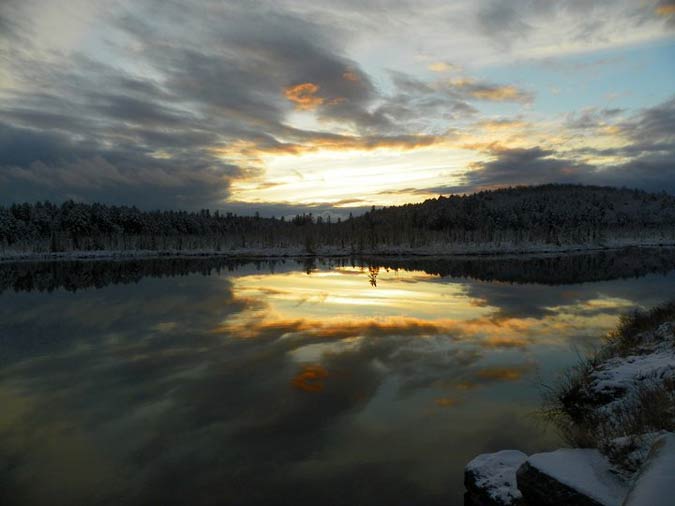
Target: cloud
[116,134]
[442,66]
[523,166]
[310,378]
[168,107]
[502,21]
[42,165]
[643,147]
[592,118]
[304,96]
[490,92]
[498,125]
[350,75]
[666,8]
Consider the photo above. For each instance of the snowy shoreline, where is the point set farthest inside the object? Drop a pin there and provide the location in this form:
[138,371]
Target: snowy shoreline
[616,410]
[439,250]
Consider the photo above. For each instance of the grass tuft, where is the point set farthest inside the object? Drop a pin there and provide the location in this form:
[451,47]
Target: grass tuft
[621,430]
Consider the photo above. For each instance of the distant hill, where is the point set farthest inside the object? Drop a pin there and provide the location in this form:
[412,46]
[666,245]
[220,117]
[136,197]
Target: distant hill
[553,212]
[524,218]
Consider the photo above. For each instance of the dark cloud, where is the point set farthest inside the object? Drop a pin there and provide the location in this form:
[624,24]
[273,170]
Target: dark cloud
[503,21]
[649,155]
[41,165]
[652,125]
[666,9]
[523,166]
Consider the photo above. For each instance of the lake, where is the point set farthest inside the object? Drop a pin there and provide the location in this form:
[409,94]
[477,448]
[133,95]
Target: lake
[277,382]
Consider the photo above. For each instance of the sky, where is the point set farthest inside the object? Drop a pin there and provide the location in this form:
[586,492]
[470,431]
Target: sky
[332,106]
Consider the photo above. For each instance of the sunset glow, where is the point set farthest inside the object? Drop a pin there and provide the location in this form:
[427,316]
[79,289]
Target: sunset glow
[280,107]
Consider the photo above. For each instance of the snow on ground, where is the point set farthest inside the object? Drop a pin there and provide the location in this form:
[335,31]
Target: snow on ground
[655,485]
[495,474]
[583,470]
[433,249]
[616,384]
[625,374]
[633,450]
[652,363]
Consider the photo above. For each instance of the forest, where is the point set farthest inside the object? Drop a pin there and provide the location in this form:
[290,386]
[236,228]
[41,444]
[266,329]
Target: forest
[503,219]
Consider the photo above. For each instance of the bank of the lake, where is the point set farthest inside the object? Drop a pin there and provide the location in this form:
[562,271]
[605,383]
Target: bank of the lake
[439,250]
[617,410]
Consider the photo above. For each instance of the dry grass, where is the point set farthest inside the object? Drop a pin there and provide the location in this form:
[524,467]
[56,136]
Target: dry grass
[576,410]
[625,338]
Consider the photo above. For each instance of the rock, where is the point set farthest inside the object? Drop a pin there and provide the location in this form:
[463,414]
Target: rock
[573,477]
[655,485]
[490,478]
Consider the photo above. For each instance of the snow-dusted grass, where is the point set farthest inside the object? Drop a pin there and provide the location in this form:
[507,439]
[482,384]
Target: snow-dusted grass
[623,397]
[654,485]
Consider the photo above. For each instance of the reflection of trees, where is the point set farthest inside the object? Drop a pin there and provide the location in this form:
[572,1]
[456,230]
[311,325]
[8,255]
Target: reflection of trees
[309,264]
[74,275]
[551,270]
[373,271]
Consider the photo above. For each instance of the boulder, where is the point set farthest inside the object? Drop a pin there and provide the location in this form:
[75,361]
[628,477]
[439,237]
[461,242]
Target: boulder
[573,477]
[490,478]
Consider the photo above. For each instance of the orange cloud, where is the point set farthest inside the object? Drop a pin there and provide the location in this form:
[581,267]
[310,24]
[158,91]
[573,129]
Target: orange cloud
[304,96]
[310,379]
[494,93]
[506,333]
[498,93]
[665,10]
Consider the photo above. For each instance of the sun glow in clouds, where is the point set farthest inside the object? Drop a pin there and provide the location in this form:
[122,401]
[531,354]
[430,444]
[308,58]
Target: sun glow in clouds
[352,178]
[307,104]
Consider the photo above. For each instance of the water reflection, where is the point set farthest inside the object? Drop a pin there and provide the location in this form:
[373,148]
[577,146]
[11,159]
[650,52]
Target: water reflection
[261,384]
[572,268]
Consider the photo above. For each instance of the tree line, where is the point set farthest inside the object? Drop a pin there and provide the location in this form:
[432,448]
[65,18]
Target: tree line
[547,214]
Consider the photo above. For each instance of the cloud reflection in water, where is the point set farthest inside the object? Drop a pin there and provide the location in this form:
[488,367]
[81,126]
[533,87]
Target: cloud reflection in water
[251,388]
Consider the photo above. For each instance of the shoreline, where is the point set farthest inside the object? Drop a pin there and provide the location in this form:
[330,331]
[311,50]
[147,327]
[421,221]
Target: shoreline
[295,253]
[614,411]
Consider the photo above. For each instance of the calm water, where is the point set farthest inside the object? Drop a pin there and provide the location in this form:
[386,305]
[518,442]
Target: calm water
[214,382]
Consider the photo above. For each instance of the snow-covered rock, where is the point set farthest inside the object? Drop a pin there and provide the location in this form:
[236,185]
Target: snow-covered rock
[490,478]
[655,485]
[573,477]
